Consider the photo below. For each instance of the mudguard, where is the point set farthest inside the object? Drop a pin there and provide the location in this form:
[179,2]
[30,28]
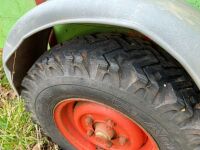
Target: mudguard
[172,24]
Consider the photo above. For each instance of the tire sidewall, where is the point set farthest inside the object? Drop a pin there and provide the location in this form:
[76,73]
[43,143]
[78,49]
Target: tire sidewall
[50,92]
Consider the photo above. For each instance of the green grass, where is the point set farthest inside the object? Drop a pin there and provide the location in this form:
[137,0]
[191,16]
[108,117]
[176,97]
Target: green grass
[17,132]
[195,3]
[3,80]
[16,128]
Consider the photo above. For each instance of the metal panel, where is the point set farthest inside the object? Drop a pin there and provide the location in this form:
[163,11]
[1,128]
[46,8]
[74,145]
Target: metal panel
[10,12]
[173,24]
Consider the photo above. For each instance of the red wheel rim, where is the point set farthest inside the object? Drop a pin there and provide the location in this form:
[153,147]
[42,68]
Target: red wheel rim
[88,125]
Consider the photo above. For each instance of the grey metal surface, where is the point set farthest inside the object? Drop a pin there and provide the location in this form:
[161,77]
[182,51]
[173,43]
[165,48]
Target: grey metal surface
[173,24]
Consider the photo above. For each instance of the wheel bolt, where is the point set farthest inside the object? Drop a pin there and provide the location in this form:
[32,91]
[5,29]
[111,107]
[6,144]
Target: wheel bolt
[122,140]
[99,148]
[89,120]
[90,132]
[110,123]
[109,144]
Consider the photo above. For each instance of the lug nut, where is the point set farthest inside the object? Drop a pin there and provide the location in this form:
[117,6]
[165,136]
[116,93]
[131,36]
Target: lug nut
[89,120]
[109,144]
[122,140]
[110,123]
[99,148]
[90,132]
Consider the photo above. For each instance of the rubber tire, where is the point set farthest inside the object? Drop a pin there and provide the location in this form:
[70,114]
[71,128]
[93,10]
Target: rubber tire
[126,73]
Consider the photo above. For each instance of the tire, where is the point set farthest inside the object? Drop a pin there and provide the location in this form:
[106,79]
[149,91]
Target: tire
[128,74]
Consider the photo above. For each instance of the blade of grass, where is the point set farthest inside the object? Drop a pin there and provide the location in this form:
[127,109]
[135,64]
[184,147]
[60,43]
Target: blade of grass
[17,132]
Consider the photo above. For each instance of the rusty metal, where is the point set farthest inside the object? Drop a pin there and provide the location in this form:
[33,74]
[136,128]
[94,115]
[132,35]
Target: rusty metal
[122,140]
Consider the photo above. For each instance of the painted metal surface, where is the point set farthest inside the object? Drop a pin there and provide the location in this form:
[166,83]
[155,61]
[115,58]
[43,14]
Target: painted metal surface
[38,2]
[70,31]
[88,125]
[173,24]
[10,12]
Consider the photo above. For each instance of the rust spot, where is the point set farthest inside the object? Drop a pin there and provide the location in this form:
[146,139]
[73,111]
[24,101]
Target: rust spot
[84,54]
[197,106]
[134,34]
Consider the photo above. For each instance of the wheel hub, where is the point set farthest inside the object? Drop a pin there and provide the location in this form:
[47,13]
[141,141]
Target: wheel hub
[89,125]
[102,130]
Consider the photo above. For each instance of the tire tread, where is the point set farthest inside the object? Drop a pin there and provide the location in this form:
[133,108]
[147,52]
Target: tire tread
[131,64]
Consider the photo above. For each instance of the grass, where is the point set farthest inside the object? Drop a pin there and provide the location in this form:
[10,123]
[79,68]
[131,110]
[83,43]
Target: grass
[17,132]
[195,3]
[16,128]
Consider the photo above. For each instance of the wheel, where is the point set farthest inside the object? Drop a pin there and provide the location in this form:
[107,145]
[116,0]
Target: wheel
[112,91]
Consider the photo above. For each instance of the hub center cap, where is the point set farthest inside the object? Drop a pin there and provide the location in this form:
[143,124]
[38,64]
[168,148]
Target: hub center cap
[104,131]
